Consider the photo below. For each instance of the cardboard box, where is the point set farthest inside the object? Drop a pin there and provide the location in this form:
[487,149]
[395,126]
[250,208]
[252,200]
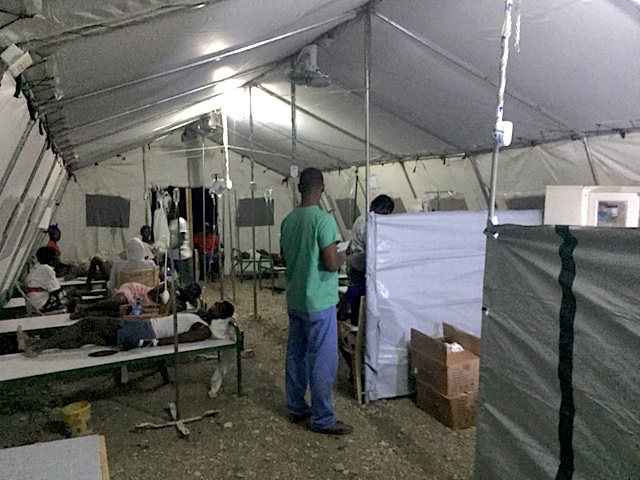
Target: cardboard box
[436,348]
[450,373]
[452,379]
[457,412]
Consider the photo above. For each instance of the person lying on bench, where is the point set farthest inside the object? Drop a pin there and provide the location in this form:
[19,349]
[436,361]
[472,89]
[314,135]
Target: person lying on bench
[41,286]
[128,333]
[150,298]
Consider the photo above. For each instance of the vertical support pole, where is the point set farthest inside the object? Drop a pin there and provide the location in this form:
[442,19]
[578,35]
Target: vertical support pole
[176,379]
[228,185]
[235,203]
[233,280]
[223,236]
[204,229]
[367,91]
[253,218]
[367,139]
[270,206]
[502,82]
[355,199]
[189,206]
[294,140]
[144,184]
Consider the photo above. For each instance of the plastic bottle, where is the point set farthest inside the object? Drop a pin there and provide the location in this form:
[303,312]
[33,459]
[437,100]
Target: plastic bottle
[137,307]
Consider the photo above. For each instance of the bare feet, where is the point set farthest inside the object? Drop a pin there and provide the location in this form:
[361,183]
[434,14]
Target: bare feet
[25,343]
[31,352]
[22,338]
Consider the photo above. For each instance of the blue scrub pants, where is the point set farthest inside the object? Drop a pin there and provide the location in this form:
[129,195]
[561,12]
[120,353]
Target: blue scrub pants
[312,360]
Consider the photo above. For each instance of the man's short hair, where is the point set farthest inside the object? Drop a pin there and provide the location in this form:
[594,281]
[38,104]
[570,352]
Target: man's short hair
[46,255]
[310,178]
[52,230]
[382,204]
[226,309]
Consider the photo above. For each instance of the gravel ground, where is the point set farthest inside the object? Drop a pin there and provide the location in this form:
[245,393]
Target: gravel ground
[249,437]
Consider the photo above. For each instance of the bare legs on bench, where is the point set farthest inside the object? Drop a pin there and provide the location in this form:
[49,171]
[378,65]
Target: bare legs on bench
[91,330]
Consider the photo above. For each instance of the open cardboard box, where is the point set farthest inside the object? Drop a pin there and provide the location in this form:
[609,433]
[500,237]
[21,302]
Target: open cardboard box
[436,347]
[448,372]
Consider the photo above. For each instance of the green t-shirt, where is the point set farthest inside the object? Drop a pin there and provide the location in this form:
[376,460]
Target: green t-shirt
[303,235]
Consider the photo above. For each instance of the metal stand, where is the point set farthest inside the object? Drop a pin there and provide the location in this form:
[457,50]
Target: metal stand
[179,424]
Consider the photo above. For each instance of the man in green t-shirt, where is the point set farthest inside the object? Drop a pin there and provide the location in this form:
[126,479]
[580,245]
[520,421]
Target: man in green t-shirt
[308,239]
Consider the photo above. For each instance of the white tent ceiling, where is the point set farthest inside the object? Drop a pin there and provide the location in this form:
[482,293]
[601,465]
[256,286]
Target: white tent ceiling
[114,74]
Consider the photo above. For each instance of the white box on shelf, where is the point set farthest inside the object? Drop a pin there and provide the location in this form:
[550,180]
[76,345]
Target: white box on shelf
[580,205]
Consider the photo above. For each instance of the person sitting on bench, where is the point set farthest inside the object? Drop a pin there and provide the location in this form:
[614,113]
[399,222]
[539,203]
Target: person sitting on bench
[128,333]
[136,260]
[128,293]
[42,288]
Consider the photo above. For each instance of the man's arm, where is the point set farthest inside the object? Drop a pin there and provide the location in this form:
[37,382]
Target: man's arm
[197,332]
[331,258]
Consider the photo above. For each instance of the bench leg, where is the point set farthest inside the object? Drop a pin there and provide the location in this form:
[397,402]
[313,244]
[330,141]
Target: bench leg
[239,348]
[224,361]
[162,368]
[121,375]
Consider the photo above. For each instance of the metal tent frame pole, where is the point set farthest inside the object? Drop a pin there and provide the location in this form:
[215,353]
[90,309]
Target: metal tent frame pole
[502,81]
[144,183]
[587,149]
[176,343]
[223,237]
[233,279]
[367,91]
[367,138]
[204,228]
[235,204]
[228,185]
[294,140]
[253,218]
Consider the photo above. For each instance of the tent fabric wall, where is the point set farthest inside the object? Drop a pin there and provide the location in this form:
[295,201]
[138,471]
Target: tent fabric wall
[170,165]
[422,269]
[520,396]
[433,73]
[32,179]
[521,172]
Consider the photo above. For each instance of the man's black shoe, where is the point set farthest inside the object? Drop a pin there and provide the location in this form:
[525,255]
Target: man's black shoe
[338,428]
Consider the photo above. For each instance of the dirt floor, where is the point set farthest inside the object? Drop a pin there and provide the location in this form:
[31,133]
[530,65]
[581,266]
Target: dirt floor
[250,436]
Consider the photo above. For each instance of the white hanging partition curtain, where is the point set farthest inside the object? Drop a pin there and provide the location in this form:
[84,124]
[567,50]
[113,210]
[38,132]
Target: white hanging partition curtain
[422,269]
[560,363]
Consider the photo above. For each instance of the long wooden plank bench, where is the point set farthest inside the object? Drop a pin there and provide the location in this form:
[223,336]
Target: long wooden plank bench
[61,363]
[40,322]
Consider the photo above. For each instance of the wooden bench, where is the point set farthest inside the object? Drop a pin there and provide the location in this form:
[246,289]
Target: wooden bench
[40,322]
[80,282]
[60,363]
